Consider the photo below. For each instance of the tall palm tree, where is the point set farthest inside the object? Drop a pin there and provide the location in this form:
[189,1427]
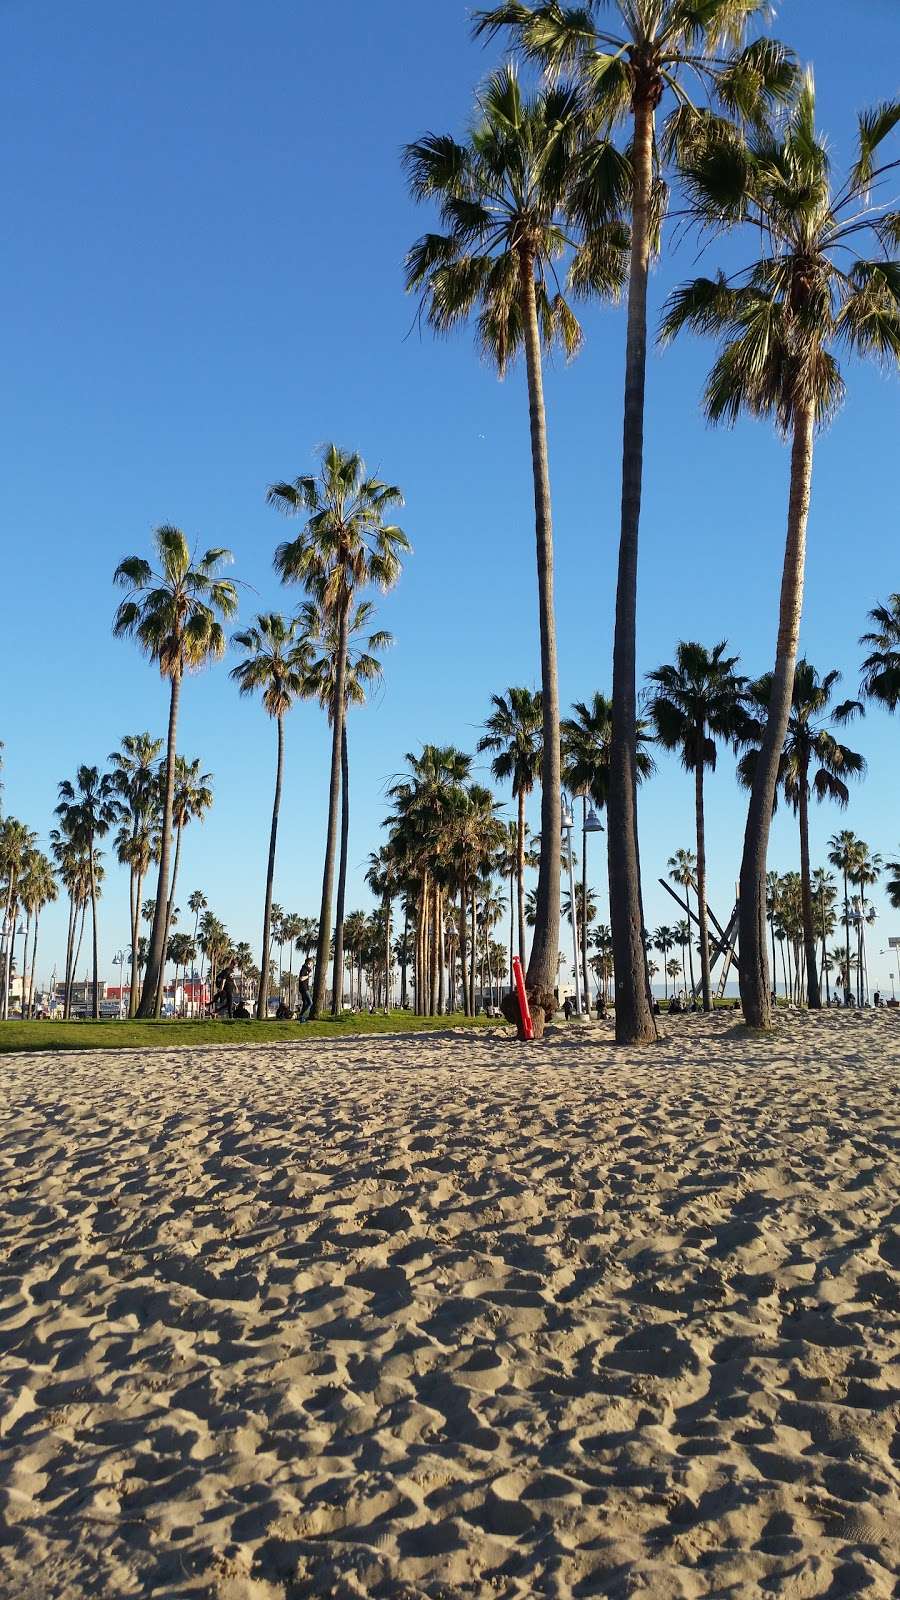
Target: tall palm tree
[275,666]
[627,75]
[503,198]
[514,733]
[508,868]
[809,743]
[37,888]
[345,546]
[16,843]
[881,668]
[693,703]
[664,941]
[362,669]
[824,895]
[88,809]
[778,323]
[173,613]
[586,758]
[683,870]
[191,798]
[135,775]
[427,802]
[866,871]
[844,853]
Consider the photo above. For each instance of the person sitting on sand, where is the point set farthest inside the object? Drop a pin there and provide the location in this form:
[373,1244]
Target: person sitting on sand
[601,1007]
[241,1011]
[283,1013]
[567,1008]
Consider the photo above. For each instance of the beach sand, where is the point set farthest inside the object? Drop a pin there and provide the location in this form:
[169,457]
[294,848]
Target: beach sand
[449,1316]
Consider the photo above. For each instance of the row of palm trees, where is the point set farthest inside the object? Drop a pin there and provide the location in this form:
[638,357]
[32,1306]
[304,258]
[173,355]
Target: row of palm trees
[690,704]
[542,194]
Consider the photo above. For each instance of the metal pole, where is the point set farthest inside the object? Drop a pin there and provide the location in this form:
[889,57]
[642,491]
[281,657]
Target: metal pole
[574,915]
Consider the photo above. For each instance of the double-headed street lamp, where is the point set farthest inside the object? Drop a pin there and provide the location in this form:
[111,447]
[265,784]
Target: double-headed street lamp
[592,824]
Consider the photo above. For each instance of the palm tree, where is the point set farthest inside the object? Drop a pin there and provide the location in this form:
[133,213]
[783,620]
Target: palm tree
[892,887]
[627,76]
[682,932]
[275,666]
[692,703]
[174,616]
[683,869]
[508,867]
[88,809]
[134,773]
[808,743]
[322,637]
[197,903]
[192,797]
[807,294]
[503,199]
[586,755]
[16,843]
[664,941]
[824,895]
[843,853]
[866,871]
[881,669]
[427,803]
[514,733]
[345,546]
[37,888]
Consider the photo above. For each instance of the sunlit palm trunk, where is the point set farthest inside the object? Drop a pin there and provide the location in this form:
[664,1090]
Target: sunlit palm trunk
[813,993]
[584,904]
[70,945]
[463,962]
[10,923]
[337,971]
[170,906]
[702,914]
[156,952]
[542,966]
[753,974]
[34,945]
[95,964]
[262,999]
[135,936]
[334,796]
[634,1015]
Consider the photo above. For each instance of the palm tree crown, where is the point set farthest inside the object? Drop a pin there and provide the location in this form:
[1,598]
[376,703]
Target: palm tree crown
[881,668]
[275,663]
[174,612]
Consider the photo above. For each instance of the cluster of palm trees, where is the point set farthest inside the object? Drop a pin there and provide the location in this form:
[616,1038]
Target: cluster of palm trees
[542,204]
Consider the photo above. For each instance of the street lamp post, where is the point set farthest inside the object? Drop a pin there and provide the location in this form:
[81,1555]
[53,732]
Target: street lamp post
[568,823]
[119,961]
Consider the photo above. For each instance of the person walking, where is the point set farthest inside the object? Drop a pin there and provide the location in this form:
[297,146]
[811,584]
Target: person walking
[303,981]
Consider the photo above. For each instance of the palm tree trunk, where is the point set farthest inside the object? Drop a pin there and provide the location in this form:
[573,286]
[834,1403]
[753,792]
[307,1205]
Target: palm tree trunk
[754,980]
[77,954]
[846,937]
[813,993]
[473,960]
[156,952]
[403,988]
[542,965]
[463,963]
[634,1011]
[70,942]
[96,959]
[262,998]
[701,877]
[520,878]
[338,708]
[170,906]
[442,953]
[135,936]
[34,947]
[774,968]
[512,922]
[825,956]
[337,971]
[584,905]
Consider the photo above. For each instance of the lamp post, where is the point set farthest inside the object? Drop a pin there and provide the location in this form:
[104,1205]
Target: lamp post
[119,961]
[568,823]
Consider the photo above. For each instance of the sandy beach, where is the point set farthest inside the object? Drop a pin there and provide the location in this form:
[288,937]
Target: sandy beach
[446,1316]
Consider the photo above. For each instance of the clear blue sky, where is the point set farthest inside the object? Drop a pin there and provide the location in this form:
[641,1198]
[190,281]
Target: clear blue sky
[204,224]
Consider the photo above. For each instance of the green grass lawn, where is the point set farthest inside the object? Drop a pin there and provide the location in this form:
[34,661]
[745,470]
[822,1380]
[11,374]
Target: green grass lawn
[114,1035]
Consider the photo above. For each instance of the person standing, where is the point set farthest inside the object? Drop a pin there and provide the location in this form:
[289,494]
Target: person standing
[303,981]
